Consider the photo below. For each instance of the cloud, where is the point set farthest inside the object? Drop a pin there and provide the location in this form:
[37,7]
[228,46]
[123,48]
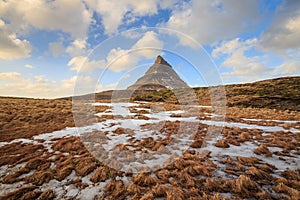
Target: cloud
[14,84]
[77,47]
[146,47]
[56,48]
[242,67]
[287,69]
[115,12]
[226,48]
[249,68]
[11,46]
[284,32]
[28,66]
[70,16]
[211,21]
[83,64]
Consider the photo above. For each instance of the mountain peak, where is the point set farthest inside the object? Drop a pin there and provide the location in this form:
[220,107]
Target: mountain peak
[161,60]
[159,76]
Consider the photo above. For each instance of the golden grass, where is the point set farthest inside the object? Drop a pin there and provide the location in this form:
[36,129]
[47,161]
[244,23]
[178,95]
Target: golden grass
[84,165]
[222,144]
[188,177]
[263,149]
[40,177]
[18,194]
[245,186]
[115,190]
[144,179]
[16,153]
[28,117]
[102,174]
[247,161]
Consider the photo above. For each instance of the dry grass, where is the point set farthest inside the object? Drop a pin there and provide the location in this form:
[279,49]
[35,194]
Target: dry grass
[188,177]
[15,153]
[245,186]
[222,144]
[263,149]
[102,174]
[144,179]
[28,117]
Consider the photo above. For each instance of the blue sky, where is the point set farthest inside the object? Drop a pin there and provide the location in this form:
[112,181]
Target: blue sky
[48,48]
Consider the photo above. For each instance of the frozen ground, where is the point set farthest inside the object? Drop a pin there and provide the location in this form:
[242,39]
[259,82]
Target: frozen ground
[126,138]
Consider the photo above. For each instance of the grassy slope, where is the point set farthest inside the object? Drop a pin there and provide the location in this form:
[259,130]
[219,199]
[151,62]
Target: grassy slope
[280,93]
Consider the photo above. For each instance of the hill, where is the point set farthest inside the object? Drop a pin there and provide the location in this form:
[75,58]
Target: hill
[280,93]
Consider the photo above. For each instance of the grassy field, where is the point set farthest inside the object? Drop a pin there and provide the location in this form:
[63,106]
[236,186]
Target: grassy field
[255,156]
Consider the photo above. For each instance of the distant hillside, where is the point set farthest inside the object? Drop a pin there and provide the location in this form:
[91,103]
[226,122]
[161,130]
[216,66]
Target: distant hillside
[279,93]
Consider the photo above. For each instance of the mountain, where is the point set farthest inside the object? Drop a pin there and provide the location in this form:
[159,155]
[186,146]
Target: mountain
[159,76]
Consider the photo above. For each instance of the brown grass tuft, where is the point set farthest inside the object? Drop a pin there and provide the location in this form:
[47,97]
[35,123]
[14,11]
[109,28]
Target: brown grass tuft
[266,168]
[18,194]
[186,180]
[160,190]
[148,196]
[174,193]
[245,187]
[196,143]
[84,165]
[244,136]
[47,195]
[247,161]
[211,185]
[222,144]
[62,173]
[164,174]
[115,190]
[282,188]
[198,170]
[35,163]
[31,195]
[258,174]
[40,177]
[70,144]
[291,174]
[134,189]
[144,179]
[263,149]
[102,174]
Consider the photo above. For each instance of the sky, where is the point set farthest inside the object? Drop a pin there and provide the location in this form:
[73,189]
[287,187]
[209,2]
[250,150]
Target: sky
[58,48]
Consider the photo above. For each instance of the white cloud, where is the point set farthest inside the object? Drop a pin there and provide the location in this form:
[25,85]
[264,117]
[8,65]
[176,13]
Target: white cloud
[11,46]
[242,67]
[28,66]
[151,40]
[56,48]
[70,16]
[114,12]
[83,64]
[146,47]
[249,68]
[233,45]
[287,69]
[284,32]
[77,47]
[211,21]
[14,84]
